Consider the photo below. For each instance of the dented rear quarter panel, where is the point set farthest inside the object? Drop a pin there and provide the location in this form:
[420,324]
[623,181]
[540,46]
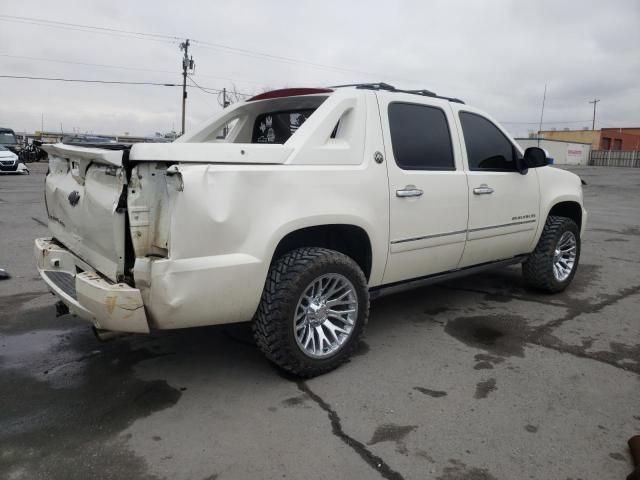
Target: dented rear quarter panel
[226,225]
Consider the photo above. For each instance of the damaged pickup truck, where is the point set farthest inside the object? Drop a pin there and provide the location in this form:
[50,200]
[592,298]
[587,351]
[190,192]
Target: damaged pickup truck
[295,208]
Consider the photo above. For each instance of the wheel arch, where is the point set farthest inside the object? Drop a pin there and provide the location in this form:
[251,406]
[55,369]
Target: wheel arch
[569,209]
[351,240]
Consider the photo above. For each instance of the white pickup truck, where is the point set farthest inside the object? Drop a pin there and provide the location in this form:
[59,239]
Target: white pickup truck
[295,208]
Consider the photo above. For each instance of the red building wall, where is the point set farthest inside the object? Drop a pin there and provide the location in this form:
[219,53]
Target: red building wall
[620,139]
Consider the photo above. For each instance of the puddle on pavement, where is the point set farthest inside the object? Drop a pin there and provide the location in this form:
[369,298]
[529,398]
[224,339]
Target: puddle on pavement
[25,348]
[65,399]
[390,432]
[457,470]
[500,335]
[431,393]
[484,388]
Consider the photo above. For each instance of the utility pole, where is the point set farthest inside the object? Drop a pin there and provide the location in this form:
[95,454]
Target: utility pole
[225,104]
[544,97]
[187,65]
[595,101]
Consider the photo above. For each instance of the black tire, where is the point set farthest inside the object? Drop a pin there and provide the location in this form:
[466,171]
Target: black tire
[538,268]
[273,325]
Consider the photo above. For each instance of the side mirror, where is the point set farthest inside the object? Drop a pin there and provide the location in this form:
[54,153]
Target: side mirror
[535,157]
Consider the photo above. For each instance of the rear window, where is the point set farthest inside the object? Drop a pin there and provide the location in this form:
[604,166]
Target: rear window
[277,127]
[7,138]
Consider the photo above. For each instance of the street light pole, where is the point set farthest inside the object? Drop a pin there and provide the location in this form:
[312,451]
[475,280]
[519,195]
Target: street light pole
[544,97]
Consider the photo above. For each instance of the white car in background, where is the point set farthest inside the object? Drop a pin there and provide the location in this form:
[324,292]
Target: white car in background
[9,162]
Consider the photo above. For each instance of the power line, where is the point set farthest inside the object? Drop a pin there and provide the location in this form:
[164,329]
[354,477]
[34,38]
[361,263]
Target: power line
[119,82]
[215,91]
[114,82]
[199,88]
[215,46]
[122,67]
[172,38]
[84,27]
[205,90]
[280,58]
[69,62]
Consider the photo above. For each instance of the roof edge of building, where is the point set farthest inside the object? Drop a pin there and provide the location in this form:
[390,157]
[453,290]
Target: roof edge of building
[553,140]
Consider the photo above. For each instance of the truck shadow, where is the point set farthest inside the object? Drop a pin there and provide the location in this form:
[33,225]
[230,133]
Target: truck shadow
[231,347]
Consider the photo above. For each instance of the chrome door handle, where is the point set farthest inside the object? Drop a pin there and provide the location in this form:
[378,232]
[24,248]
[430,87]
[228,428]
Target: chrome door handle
[483,189]
[409,191]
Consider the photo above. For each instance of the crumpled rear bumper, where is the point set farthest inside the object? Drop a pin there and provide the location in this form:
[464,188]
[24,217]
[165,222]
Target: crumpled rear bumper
[109,306]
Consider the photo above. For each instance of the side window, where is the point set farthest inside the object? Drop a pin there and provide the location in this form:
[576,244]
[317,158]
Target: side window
[487,147]
[420,137]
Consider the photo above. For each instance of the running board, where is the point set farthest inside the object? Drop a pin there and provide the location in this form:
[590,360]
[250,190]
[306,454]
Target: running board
[382,290]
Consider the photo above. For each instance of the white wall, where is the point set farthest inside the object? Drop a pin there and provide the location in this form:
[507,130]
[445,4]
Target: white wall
[563,153]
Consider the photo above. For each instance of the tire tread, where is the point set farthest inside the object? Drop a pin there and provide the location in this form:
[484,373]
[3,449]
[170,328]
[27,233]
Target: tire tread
[537,269]
[271,321]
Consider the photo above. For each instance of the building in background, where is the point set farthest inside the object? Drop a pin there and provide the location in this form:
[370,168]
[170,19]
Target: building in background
[620,139]
[604,139]
[578,136]
[563,153]
[55,137]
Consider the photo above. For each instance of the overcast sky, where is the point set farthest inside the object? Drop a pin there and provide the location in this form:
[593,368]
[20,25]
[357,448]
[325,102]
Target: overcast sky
[496,55]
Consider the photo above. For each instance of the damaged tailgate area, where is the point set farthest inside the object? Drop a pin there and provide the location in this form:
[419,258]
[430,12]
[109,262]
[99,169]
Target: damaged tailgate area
[103,212]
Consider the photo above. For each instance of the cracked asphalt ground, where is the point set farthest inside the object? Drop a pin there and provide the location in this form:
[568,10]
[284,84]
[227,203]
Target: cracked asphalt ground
[477,378]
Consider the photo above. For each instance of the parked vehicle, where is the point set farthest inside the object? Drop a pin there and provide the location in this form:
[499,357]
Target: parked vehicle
[10,163]
[32,152]
[314,202]
[9,140]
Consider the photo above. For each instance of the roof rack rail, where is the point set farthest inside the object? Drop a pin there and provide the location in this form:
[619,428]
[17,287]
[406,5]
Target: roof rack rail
[368,86]
[391,88]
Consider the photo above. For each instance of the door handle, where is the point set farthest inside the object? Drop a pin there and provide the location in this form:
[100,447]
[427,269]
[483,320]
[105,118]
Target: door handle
[409,191]
[483,189]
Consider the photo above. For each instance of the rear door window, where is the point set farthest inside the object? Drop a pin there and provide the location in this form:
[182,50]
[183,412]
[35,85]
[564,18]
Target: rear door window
[420,137]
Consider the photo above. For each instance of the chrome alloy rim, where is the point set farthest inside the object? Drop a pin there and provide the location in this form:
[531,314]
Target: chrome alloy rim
[325,315]
[564,256]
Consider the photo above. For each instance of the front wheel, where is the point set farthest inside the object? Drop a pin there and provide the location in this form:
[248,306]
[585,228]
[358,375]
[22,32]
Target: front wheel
[313,310]
[554,262]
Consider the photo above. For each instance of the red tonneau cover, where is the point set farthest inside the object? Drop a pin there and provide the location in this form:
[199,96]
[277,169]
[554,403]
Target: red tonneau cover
[289,92]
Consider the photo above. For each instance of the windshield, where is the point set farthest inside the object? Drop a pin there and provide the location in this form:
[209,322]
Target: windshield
[7,138]
[87,139]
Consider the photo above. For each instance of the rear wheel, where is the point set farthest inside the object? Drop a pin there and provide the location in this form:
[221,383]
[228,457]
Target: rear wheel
[313,310]
[554,262]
